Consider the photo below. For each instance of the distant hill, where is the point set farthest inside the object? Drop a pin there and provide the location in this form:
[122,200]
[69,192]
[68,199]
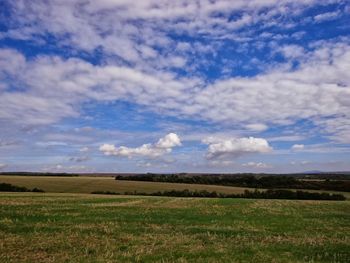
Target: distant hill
[337,175]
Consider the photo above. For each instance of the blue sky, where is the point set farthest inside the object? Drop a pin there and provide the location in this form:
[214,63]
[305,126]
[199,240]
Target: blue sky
[174,86]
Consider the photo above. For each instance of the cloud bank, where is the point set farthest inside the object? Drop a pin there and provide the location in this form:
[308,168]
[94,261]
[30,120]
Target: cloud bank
[75,74]
[52,88]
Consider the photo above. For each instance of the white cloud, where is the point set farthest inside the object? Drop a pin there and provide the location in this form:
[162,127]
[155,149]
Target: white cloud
[298,147]
[84,149]
[258,127]
[62,168]
[292,51]
[34,110]
[163,146]
[137,32]
[287,138]
[237,147]
[50,143]
[283,96]
[300,162]
[169,141]
[2,166]
[10,61]
[53,88]
[59,166]
[140,60]
[324,148]
[144,164]
[326,16]
[257,165]
[221,163]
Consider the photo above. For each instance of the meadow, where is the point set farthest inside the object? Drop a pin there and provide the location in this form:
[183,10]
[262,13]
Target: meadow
[43,227]
[68,224]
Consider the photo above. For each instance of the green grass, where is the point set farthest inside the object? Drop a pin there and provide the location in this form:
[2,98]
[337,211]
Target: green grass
[90,228]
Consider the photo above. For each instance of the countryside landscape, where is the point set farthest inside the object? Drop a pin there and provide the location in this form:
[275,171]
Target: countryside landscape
[175,131]
[117,218]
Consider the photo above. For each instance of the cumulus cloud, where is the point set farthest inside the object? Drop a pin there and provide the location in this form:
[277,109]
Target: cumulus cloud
[237,147]
[169,141]
[2,166]
[298,147]
[163,146]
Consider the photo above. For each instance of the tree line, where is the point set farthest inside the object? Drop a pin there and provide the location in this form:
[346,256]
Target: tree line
[4,187]
[256,194]
[250,181]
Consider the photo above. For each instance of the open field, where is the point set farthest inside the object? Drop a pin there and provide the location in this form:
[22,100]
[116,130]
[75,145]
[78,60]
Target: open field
[85,184]
[90,228]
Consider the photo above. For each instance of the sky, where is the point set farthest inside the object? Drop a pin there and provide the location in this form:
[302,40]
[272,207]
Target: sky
[175,86]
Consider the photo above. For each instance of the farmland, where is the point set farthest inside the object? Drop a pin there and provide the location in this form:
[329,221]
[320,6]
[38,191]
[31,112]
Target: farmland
[89,228]
[86,184]
[68,224]
[89,184]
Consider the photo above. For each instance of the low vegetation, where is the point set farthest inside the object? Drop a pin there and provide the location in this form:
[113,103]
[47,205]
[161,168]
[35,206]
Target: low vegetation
[14,188]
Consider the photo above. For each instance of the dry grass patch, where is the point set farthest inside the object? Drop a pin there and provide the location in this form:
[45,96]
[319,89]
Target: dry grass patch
[92,228]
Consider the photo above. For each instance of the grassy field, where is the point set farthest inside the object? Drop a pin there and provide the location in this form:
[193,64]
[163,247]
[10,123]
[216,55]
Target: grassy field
[90,228]
[85,184]
[88,184]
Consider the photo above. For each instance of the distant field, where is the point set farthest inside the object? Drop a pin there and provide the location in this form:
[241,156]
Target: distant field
[90,228]
[85,184]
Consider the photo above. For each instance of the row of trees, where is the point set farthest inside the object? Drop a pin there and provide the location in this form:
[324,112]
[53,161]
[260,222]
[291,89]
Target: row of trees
[14,188]
[38,174]
[269,194]
[250,181]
